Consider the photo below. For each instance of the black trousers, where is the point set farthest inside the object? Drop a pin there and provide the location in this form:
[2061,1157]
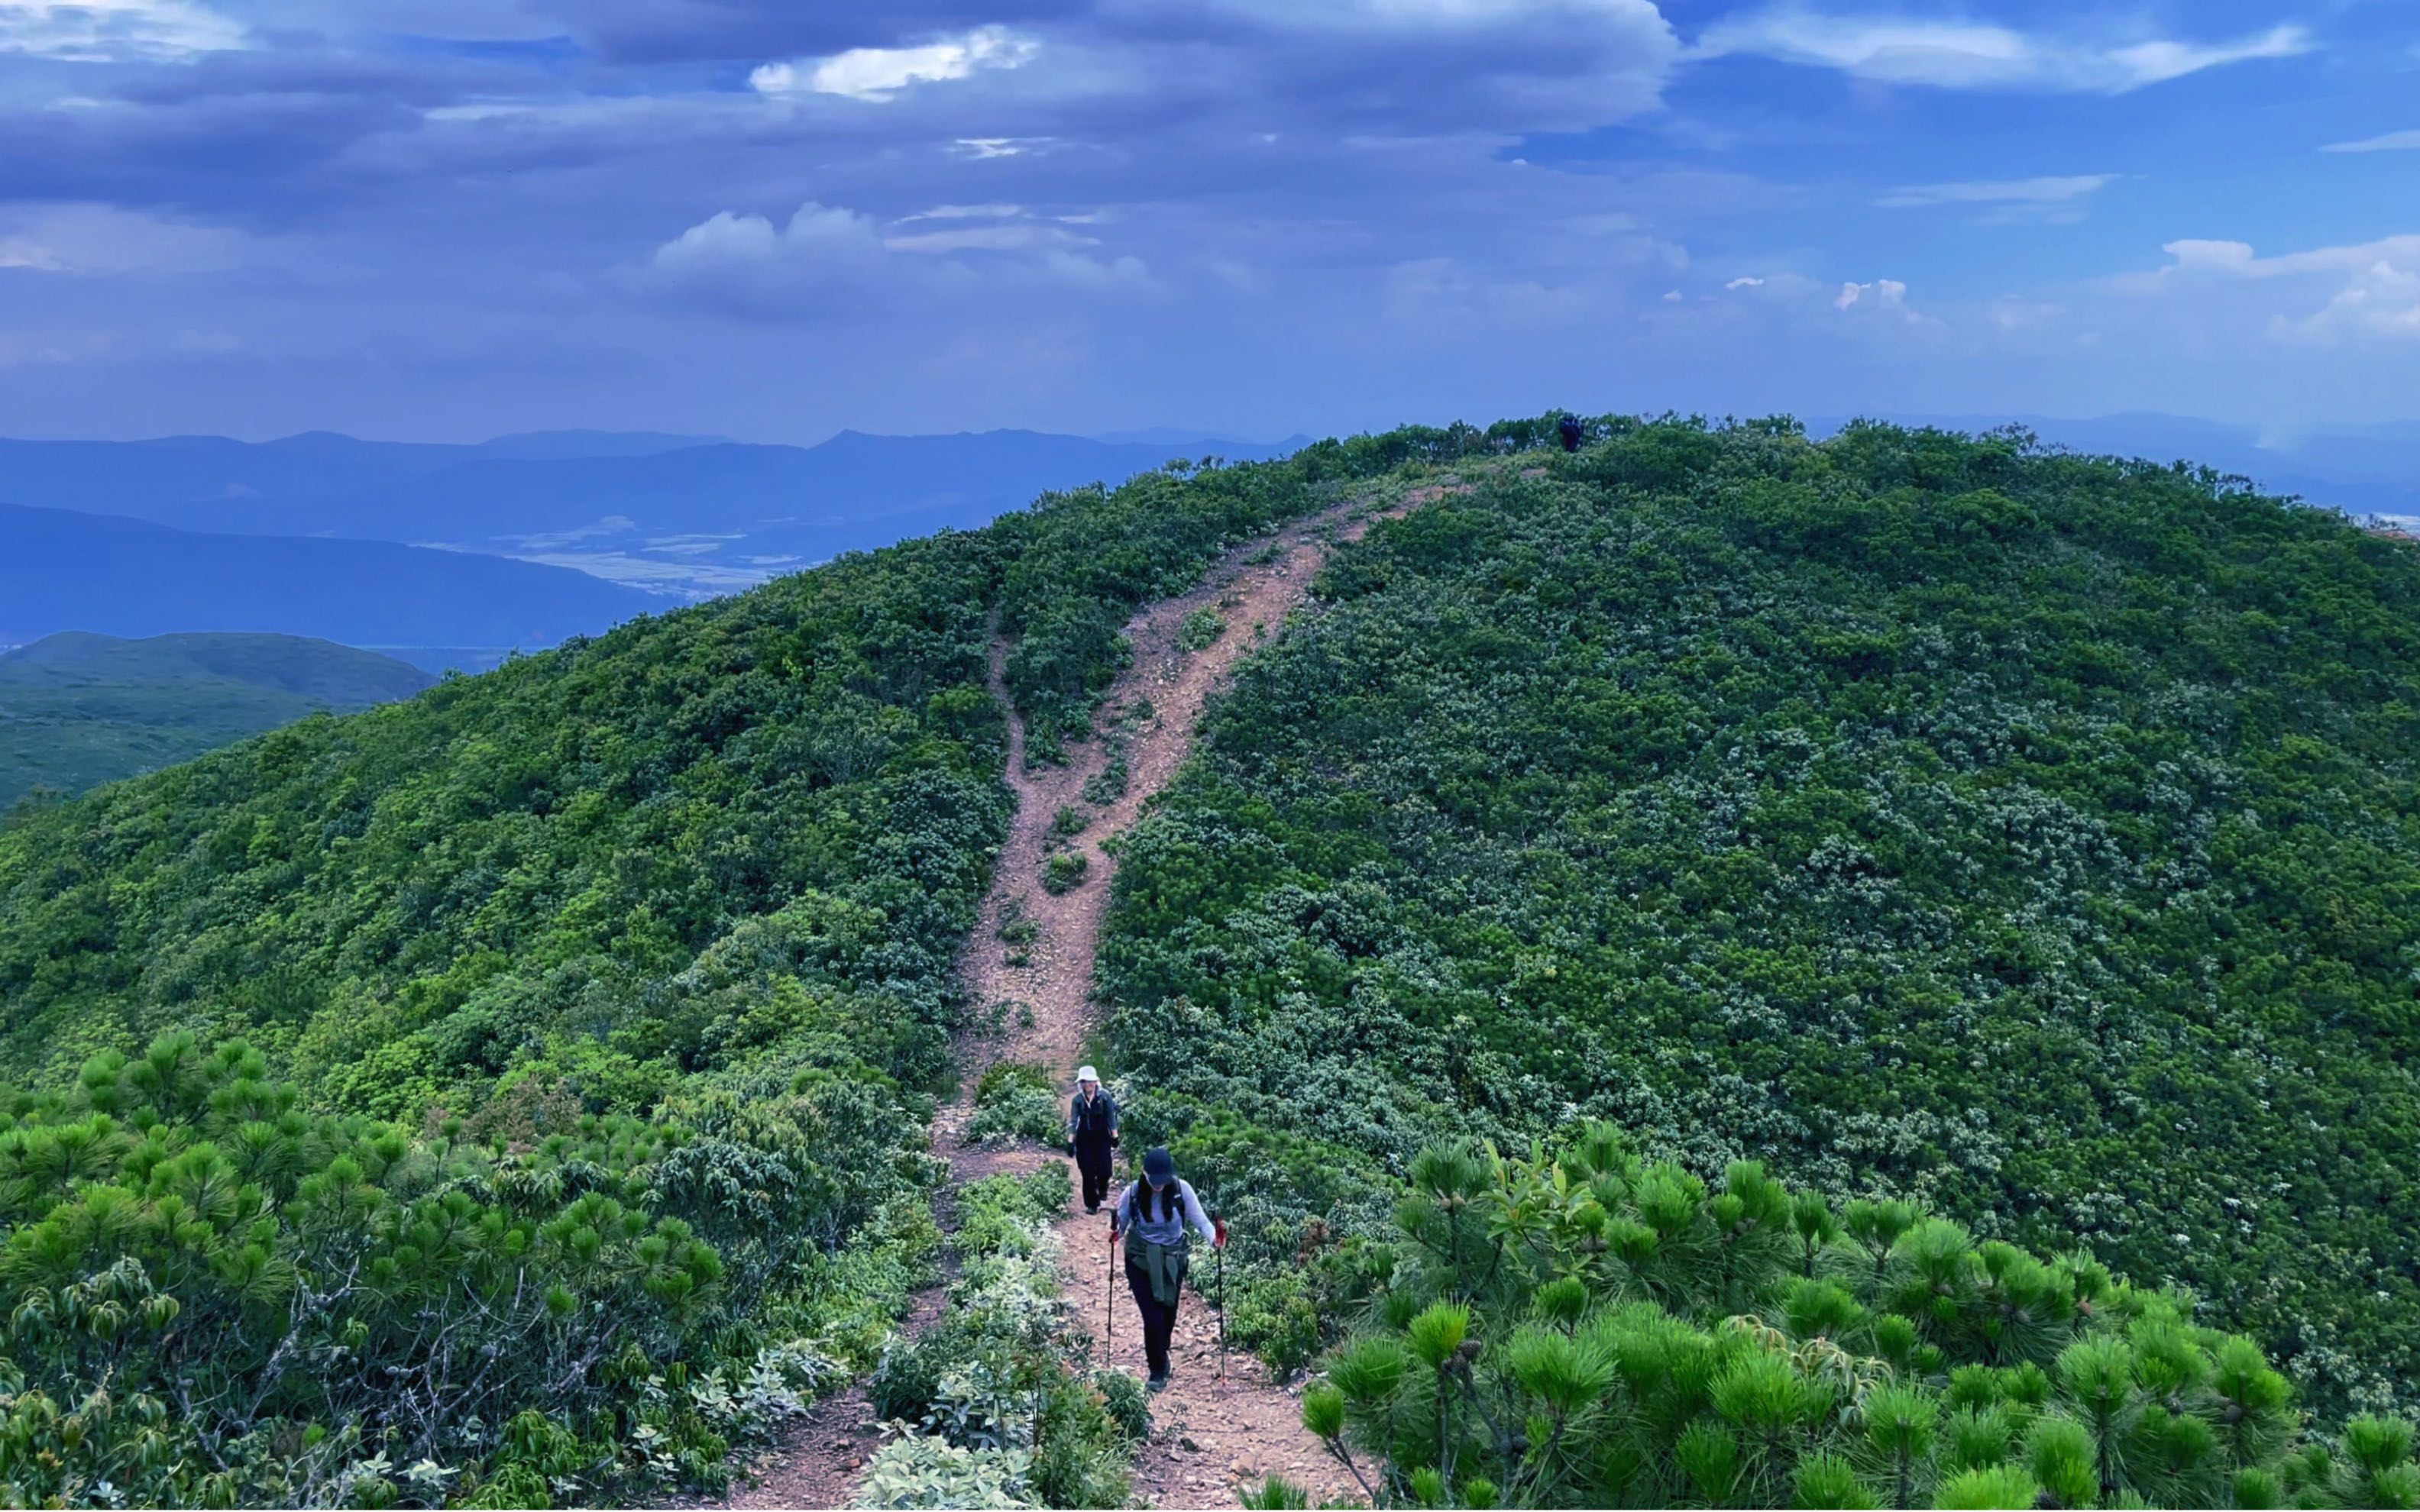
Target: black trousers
[1159,1323]
[1095,1160]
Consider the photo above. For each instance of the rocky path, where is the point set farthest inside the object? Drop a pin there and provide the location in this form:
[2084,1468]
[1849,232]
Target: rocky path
[1209,1435]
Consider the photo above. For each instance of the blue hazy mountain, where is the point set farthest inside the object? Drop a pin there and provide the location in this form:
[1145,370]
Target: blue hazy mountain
[69,570]
[1202,442]
[160,478]
[693,515]
[555,445]
[656,511]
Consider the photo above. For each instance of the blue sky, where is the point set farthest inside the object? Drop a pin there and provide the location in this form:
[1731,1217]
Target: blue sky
[443,218]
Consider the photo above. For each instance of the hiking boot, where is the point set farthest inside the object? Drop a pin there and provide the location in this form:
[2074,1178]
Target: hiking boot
[1158,1381]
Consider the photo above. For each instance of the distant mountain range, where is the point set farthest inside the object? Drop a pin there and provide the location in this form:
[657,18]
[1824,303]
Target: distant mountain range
[77,710]
[313,535]
[63,570]
[687,516]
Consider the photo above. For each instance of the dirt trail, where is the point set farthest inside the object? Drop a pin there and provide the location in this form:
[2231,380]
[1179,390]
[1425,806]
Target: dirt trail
[1208,1436]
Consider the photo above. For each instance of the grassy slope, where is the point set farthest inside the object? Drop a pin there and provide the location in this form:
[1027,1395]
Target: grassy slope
[2035,834]
[79,710]
[585,866]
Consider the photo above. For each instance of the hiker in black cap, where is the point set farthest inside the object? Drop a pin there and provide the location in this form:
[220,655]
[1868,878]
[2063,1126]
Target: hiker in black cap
[1091,1129]
[1568,429]
[1153,1215]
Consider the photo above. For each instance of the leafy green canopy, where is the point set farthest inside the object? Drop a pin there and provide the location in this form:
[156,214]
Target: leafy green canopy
[532,1107]
[2035,835]
[1591,1329]
[215,1297]
[760,822]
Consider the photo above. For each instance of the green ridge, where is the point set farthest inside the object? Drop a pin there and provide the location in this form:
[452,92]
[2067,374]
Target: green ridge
[2032,835]
[515,1095]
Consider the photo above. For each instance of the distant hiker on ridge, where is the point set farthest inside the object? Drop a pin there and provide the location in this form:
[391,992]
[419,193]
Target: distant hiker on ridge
[1569,429]
[1153,1215]
[1091,1129]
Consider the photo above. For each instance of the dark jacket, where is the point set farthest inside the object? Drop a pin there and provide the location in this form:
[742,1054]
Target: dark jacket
[1092,1120]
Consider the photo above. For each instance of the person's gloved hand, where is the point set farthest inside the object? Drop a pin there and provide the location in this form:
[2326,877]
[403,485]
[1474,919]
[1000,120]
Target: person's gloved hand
[1071,1149]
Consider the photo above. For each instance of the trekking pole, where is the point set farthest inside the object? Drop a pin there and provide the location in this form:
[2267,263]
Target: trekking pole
[1219,1260]
[1110,1296]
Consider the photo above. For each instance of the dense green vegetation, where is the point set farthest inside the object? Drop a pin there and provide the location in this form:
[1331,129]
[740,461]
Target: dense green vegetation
[79,710]
[1591,1329]
[2031,835]
[517,1095]
[762,822]
[519,1091]
[1000,1400]
[218,1297]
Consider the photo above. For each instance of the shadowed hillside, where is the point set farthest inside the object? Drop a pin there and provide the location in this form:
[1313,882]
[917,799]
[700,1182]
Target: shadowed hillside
[77,710]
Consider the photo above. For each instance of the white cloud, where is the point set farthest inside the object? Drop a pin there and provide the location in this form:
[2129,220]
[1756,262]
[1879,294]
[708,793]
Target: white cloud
[966,212]
[2237,258]
[819,239]
[1016,236]
[109,31]
[981,147]
[1887,292]
[2381,301]
[827,258]
[2375,292]
[987,228]
[878,74]
[2391,142]
[1885,298]
[1996,191]
[1744,282]
[1962,55]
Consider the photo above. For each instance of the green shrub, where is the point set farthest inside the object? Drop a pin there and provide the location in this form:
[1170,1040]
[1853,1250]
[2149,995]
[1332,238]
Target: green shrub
[1002,1372]
[1920,813]
[1201,629]
[1272,1317]
[334,1297]
[1128,1405]
[1064,870]
[1108,784]
[917,1472]
[1015,1109]
[2000,1486]
[1676,1378]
